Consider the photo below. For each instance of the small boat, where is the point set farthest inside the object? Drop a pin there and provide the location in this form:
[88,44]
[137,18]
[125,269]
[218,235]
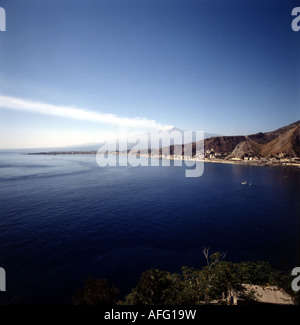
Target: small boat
[244,183]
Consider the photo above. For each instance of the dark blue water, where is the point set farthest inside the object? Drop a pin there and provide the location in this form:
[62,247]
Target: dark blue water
[63,218]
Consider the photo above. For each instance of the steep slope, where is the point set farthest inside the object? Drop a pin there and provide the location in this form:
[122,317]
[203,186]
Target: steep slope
[246,148]
[286,144]
[284,141]
[281,142]
[223,145]
[266,137]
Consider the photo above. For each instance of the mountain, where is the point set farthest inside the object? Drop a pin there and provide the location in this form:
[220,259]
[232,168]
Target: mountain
[223,145]
[287,143]
[283,142]
[266,137]
[140,141]
[246,148]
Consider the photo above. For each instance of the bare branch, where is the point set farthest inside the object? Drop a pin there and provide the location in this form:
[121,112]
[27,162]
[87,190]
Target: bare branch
[205,252]
[213,258]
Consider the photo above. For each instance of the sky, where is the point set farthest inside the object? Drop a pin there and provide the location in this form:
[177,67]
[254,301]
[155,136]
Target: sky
[74,72]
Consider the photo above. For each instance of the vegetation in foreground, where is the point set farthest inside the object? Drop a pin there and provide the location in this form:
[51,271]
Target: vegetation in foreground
[213,284]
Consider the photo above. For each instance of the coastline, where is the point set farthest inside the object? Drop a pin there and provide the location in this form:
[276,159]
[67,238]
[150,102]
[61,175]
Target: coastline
[265,161]
[241,162]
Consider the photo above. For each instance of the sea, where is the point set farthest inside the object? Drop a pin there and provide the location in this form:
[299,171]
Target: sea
[63,219]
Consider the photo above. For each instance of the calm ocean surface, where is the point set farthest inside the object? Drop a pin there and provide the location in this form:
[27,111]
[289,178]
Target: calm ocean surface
[63,218]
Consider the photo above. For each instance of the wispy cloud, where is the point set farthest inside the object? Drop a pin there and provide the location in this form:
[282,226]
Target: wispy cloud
[20,104]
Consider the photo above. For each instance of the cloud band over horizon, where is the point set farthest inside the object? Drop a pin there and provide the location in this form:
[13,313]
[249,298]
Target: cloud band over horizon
[20,104]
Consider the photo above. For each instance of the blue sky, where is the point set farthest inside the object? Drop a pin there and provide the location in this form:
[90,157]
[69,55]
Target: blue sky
[72,71]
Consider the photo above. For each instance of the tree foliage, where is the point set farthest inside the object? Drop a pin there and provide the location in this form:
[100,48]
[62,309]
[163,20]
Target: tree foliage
[191,286]
[213,284]
[96,292]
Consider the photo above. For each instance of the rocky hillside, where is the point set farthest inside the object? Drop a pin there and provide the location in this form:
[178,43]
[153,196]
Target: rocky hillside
[246,148]
[287,143]
[283,142]
[223,145]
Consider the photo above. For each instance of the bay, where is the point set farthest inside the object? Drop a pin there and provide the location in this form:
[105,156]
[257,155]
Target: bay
[63,218]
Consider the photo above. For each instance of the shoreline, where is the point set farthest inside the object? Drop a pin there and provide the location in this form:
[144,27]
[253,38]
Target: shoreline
[241,162]
[267,163]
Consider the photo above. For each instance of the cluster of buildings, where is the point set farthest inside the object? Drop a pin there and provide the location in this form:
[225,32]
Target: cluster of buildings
[211,155]
[280,158]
